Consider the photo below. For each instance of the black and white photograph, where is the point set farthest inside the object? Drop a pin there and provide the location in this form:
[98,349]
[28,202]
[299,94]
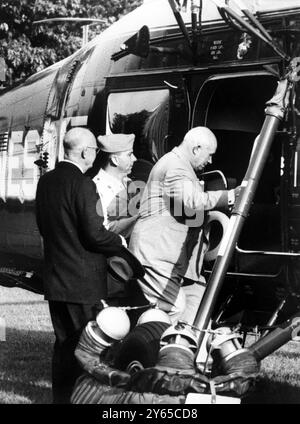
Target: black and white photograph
[149,201]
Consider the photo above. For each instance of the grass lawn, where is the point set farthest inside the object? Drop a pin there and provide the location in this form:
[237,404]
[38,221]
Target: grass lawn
[25,357]
[279,380]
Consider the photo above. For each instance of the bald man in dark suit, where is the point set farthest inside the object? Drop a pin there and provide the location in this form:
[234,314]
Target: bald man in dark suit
[76,243]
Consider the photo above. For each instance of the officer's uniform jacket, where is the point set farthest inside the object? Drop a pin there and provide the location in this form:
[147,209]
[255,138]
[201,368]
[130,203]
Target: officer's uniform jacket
[115,202]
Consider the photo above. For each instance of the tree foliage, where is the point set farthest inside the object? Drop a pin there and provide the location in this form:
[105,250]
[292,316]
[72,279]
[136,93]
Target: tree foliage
[28,48]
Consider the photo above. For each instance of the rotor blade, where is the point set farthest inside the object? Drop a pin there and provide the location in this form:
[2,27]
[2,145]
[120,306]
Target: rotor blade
[87,20]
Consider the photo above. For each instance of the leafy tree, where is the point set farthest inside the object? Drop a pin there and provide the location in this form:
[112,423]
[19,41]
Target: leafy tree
[28,48]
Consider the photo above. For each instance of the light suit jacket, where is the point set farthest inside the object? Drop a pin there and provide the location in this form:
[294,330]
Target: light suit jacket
[168,233]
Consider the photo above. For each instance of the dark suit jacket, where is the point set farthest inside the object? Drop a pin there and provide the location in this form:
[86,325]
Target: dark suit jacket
[75,241]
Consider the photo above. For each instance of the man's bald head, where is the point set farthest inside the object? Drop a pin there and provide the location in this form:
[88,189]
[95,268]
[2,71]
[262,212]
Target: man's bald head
[199,145]
[200,136]
[80,147]
[78,138]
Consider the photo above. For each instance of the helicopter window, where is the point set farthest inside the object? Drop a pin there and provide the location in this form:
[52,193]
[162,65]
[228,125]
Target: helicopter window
[144,113]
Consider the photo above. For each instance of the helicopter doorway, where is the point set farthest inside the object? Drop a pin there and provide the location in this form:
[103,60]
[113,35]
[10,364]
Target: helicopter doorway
[232,106]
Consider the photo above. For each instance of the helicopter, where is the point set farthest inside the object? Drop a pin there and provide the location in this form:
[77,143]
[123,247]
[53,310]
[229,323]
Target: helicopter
[164,68]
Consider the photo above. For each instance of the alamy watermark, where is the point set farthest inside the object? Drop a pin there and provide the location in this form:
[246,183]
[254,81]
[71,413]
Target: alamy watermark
[179,198]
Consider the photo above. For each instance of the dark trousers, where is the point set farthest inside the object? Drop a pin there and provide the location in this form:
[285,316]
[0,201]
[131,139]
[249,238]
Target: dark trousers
[68,320]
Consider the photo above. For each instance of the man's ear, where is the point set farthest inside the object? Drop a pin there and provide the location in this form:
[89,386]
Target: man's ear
[83,153]
[194,150]
[114,159]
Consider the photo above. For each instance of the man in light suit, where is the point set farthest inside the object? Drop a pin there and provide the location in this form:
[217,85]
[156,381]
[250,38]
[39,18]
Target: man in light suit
[75,248]
[168,235]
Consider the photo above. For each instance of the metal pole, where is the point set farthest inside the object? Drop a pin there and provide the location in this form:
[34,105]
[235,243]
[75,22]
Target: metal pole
[275,111]
[85,34]
[276,338]
[180,22]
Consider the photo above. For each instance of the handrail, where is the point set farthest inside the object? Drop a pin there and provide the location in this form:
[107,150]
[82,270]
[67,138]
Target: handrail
[246,274]
[216,171]
[266,252]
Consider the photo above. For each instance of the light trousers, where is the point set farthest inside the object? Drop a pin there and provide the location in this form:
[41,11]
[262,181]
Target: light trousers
[167,293]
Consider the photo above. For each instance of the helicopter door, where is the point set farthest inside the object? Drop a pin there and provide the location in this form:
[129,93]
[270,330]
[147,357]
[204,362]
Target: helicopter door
[232,106]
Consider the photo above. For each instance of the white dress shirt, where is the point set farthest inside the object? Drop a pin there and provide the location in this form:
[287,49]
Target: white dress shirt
[108,188]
